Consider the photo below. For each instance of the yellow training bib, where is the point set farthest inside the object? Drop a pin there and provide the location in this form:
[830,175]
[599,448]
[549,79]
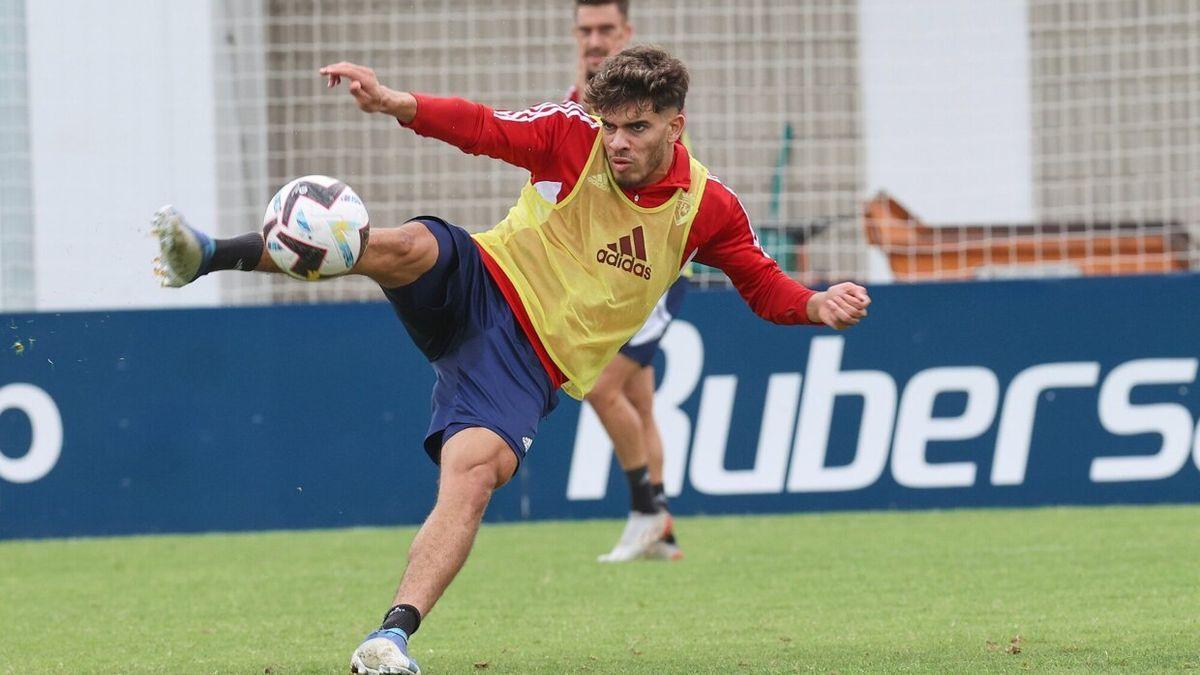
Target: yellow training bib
[590,268]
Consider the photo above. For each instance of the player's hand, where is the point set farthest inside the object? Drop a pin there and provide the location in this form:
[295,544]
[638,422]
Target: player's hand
[364,86]
[841,306]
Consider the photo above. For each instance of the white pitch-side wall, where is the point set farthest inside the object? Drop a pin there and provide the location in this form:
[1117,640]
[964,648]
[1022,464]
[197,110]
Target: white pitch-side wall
[946,107]
[121,122]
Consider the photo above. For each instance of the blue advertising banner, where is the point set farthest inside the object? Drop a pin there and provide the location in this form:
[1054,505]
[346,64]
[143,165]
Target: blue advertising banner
[974,394]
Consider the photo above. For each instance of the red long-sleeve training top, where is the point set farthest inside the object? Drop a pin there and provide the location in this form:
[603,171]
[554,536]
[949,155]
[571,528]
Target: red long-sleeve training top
[553,141]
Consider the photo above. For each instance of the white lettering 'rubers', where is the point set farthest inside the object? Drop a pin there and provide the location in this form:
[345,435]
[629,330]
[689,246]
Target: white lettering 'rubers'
[708,472]
[807,414]
[591,458]
[824,380]
[1171,421]
[1020,408]
[916,425]
[684,352]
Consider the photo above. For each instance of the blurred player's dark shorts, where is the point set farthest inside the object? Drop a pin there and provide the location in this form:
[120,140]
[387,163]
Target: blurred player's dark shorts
[644,343]
[488,375]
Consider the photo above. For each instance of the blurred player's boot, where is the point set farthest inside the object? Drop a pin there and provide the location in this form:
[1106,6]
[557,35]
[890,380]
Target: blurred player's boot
[384,651]
[666,548]
[641,531]
[183,251]
[663,550]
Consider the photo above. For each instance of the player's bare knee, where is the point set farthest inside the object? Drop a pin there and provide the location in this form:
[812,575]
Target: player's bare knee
[400,255]
[647,418]
[604,397]
[395,246]
[477,471]
[469,485]
[416,240]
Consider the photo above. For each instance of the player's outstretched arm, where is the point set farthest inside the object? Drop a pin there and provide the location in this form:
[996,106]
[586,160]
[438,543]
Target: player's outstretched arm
[530,139]
[369,94]
[841,306]
[729,244]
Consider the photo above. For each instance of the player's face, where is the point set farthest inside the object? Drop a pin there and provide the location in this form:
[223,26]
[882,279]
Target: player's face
[639,143]
[600,30]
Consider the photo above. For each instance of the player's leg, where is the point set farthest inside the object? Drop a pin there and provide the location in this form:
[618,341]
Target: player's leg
[639,389]
[393,256]
[623,424]
[616,412]
[489,395]
[475,462]
[646,523]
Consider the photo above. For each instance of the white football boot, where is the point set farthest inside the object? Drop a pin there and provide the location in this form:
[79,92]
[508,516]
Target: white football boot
[666,548]
[642,530]
[663,550]
[384,652]
[182,249]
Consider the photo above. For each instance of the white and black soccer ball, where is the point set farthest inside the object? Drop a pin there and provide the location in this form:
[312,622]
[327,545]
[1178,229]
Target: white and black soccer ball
[315,227]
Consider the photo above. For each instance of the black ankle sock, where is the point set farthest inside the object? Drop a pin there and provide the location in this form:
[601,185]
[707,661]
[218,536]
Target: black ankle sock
[238,253]
[641,496]
[660,496]
[405,617]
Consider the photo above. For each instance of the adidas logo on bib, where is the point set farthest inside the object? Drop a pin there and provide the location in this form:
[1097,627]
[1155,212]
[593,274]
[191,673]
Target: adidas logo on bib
[627,253]
[599,180]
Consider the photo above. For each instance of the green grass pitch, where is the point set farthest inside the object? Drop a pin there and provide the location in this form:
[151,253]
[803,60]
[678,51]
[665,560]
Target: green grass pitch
[1048,590]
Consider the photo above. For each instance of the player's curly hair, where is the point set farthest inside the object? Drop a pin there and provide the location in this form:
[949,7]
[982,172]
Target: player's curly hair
[645,75]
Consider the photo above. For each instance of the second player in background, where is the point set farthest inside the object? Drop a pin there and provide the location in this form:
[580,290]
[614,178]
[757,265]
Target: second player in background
[623,397]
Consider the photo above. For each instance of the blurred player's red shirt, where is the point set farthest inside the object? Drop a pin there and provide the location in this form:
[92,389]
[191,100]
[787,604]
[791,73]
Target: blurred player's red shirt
[553,141]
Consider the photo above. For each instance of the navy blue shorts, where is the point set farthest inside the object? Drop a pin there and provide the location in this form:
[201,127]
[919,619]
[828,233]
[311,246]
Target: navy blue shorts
[644,343]
[488,375]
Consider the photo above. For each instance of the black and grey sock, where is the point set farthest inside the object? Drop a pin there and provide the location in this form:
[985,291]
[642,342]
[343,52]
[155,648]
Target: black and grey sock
[641,496]
[660,496]
[405,617]
[237,253]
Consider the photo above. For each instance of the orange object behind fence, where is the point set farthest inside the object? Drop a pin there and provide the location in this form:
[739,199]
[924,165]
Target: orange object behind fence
[918,252]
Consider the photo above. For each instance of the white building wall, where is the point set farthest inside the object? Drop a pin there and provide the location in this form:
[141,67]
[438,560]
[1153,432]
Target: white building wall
[16,192]
[121,122]
[946,107]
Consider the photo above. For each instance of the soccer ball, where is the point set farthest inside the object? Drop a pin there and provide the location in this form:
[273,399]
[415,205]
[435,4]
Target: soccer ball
[315,227]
